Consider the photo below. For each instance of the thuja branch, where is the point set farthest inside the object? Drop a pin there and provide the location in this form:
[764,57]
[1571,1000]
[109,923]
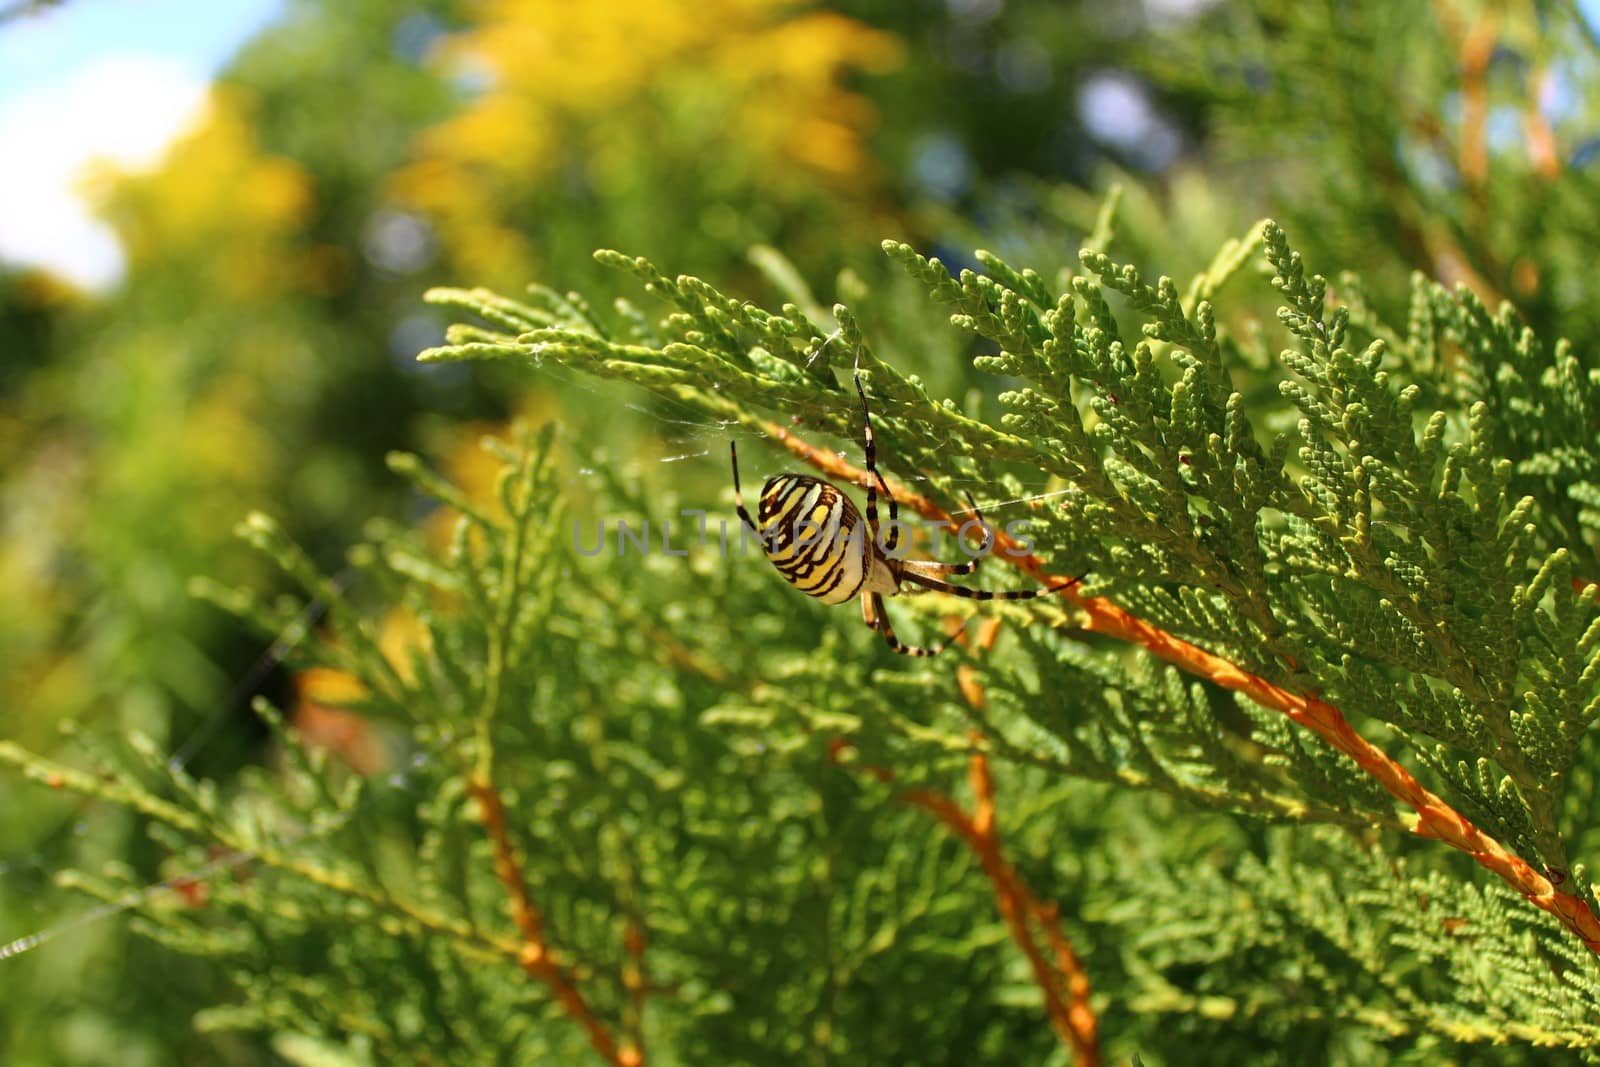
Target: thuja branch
[1433,816]
[536,957]
[463,936]
[1071,1014]
[520,493]
[1068,1007]
[1066,986]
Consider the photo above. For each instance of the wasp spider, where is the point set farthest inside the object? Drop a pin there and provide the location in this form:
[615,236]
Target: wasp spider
[813,534]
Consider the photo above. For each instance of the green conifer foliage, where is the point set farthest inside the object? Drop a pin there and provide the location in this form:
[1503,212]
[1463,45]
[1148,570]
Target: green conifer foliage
[657,771]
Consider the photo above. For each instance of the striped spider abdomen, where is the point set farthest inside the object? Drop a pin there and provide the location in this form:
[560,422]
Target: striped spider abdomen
[814,536]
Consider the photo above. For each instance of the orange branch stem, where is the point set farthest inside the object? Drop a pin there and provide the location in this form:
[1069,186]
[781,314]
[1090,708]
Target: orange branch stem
[1435,817]
[638,987]
[536,958]
[1066,986]
[1071,1015]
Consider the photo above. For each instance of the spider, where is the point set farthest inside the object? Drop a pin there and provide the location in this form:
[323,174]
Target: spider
[812,532]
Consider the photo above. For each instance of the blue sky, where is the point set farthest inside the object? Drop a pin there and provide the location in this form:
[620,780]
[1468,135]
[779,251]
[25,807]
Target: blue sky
[199,37]
[87,79]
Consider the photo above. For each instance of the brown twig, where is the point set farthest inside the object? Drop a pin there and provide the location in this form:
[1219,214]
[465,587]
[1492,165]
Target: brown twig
[638,987]
[1065,988]
[1066,985]
[536,957]
[1076,1013]
[1434,817]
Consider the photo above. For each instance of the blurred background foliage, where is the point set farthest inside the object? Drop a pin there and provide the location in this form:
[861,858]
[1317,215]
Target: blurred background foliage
[258,350]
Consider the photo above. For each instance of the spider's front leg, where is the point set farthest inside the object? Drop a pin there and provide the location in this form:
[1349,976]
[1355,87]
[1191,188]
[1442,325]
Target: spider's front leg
[738,494]
[931,568]
[876,616]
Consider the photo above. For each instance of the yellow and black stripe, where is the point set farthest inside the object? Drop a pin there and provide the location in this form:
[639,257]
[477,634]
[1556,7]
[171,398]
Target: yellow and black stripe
[814,535]
[819,542]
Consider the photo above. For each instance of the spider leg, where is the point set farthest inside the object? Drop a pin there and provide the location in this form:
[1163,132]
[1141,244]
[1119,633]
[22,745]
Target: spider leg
[932,567]
[894,514]
[929,568]
[986,594]
[984,529]
[877,617]
[738,495]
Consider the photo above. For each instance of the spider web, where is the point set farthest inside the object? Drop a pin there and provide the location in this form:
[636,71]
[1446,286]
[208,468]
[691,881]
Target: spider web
[693,436]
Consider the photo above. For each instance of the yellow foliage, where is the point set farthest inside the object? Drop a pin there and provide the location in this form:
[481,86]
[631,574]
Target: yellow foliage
[399,634]
[215,200]
[794,105]
[607,84]
[473,468]
[327,686]
[321,722]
